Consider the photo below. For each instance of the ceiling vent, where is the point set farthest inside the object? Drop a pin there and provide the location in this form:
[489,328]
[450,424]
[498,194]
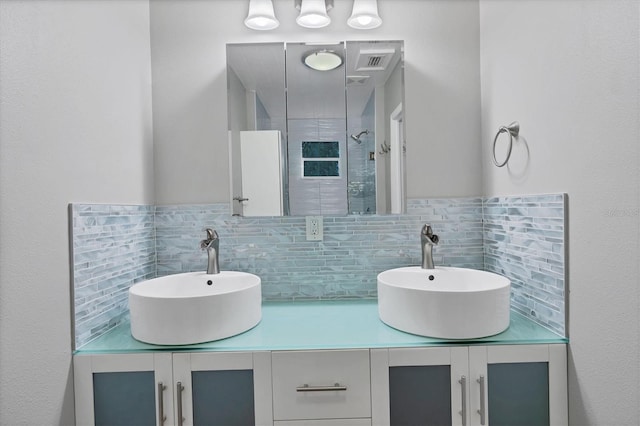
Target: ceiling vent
[357,80]
[374,59]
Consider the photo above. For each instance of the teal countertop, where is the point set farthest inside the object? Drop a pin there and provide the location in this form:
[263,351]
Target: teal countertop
[340,324]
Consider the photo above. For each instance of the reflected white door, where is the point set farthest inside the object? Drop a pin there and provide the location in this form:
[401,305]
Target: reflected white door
[396,171]
[260,153]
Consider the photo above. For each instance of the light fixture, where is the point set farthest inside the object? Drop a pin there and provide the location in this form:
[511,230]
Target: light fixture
[322,60]
[364,15]
[313,13]
[261,15]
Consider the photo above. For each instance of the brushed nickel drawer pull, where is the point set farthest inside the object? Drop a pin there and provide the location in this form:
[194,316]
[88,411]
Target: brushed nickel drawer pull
[179,390]
[307,388]
[482,401]
[463,387]
[161,417]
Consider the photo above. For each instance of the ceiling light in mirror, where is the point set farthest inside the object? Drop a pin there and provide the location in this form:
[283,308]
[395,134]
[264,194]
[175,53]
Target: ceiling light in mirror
[364,15]
[322,60]
[261,16]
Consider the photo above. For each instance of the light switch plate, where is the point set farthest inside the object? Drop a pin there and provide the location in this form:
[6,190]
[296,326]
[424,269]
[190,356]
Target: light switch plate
[314,228]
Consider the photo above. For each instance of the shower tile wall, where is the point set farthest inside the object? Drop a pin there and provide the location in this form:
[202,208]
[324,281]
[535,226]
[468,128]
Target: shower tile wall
[112,247]
[524,239]
[362,169]
[309,196]
[116,246]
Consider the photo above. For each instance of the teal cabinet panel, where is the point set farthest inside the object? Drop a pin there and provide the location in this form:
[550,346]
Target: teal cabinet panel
[223,398]
[124,398]
[420,395]
[518,394]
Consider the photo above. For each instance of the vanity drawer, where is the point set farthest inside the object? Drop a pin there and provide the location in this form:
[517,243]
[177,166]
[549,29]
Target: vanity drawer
[331,384]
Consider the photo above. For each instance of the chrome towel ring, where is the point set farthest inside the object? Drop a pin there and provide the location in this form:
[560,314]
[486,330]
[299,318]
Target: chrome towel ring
[512,129]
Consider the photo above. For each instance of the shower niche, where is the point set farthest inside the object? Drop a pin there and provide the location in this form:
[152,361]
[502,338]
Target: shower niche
[337,113]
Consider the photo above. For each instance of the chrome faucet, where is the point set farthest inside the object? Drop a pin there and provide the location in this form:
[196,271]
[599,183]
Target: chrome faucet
[428,239]
[212,246]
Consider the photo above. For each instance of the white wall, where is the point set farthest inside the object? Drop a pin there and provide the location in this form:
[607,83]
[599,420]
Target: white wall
[75,126]
[188,39]
[568,71]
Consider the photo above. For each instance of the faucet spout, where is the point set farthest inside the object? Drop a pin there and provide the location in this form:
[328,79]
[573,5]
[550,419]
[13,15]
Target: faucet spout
[212,245]
[427,240]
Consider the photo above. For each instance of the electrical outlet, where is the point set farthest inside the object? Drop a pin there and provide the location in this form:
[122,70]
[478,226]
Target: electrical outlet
[314,228]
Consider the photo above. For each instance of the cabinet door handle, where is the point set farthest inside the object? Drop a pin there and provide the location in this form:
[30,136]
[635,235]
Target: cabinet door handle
[179,389]
[463,412]
[481,411]
[307,388]
[161,416]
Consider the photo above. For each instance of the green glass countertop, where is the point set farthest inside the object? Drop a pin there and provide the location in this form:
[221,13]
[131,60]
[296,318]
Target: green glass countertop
[340,324]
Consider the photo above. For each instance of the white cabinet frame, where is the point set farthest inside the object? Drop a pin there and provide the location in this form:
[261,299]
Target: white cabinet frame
[259,362]
[85,365]
[556,357]
[169,369]
[470,362]
[381,359]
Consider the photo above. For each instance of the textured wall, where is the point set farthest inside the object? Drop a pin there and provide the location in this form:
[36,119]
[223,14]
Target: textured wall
[75,124]
[569,72]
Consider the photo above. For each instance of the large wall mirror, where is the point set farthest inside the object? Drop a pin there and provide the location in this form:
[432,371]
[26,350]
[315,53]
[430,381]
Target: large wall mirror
[316,129]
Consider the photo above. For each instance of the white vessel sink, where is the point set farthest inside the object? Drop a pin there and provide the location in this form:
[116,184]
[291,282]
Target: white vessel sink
[194,307]
[447,303]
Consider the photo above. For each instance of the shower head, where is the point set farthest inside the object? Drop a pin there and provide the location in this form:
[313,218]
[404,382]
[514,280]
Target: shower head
[357,137]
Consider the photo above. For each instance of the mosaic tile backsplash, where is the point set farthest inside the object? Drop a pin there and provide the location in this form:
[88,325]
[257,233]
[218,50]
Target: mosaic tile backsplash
[116,246]
[524,240]
[344,265]
[112,247]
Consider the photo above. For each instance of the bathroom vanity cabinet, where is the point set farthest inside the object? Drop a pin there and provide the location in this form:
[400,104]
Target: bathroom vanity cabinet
[164,388]
[325,364]
[470,385]
[457,385]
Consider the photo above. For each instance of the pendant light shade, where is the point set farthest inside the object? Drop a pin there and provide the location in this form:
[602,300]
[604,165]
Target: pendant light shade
[364,15]
[313,14]
[261,15]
